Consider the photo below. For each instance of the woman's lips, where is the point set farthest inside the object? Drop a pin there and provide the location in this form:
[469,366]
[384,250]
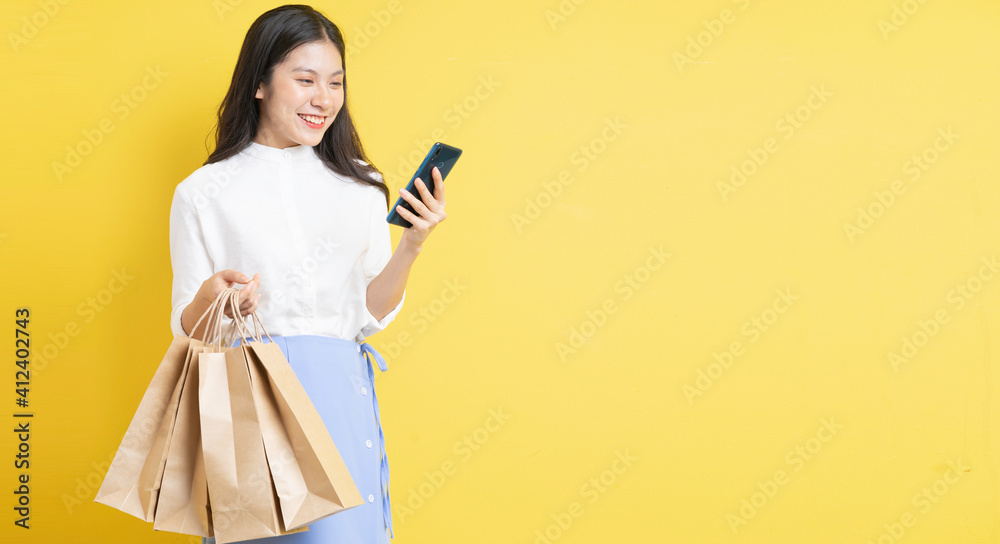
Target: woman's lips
[312,121]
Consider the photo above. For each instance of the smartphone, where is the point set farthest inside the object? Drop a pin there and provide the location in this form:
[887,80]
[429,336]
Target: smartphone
[441,155]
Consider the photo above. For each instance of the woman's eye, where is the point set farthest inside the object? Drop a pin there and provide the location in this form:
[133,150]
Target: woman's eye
[337,83]
[306,80]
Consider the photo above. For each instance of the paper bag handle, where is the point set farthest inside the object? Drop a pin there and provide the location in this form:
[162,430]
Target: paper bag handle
[239,323]
[215,335]
[211,314]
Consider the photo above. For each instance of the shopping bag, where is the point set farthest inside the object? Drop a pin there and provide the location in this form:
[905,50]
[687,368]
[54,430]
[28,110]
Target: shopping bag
[243,502]
[143,441]
[182,502]
[310,477]
[226,443]
[131,483]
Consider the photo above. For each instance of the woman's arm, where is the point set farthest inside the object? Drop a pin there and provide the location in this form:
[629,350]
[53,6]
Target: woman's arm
[386,290]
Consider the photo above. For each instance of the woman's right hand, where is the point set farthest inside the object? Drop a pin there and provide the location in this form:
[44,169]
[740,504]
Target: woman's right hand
[249,298]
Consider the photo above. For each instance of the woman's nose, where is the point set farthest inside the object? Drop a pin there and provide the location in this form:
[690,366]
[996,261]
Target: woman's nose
[323,98]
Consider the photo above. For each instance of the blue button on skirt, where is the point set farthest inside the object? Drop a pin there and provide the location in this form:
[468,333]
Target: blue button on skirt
[339,377]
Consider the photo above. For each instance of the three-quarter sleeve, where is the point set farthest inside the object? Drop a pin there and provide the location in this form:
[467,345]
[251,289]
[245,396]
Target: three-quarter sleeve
[189,257]
[379,252]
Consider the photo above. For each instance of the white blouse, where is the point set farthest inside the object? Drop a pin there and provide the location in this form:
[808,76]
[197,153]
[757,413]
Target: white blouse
[316,238]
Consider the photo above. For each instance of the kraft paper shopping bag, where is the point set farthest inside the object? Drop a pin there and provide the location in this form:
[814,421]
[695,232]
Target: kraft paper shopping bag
[310,476]
[121,488]
[242,496]
[132,481]
[182,503]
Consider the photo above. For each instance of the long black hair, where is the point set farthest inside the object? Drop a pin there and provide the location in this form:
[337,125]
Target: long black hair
[270,38]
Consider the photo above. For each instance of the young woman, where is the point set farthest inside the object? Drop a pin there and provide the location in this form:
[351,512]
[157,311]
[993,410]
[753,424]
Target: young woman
[289,196]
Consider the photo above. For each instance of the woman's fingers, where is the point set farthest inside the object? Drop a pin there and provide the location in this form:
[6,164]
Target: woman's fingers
[230,276]
[250,289]
[438,186]
[246,309]
[418,205]
[427,212]
[414,219]
[430,209]
[248,298]
[433,202]
[250,305]
[253,305]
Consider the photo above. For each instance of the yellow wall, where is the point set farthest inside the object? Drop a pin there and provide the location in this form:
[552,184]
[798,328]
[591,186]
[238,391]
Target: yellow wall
[613,338]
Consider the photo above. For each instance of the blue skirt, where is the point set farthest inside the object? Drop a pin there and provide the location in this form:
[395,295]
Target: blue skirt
[339,378]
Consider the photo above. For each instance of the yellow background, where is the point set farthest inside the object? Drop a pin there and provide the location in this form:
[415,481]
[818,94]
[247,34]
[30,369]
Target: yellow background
[535,87]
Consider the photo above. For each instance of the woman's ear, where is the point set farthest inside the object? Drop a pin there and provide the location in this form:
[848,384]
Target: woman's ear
[260,91]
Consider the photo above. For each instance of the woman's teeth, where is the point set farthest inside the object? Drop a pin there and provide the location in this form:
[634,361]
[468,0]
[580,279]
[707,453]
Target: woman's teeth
[313,119]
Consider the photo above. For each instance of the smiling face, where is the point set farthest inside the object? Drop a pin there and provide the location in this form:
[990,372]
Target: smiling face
[301,101]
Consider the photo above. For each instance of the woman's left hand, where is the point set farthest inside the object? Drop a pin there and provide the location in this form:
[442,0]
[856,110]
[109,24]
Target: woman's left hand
[430,211]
